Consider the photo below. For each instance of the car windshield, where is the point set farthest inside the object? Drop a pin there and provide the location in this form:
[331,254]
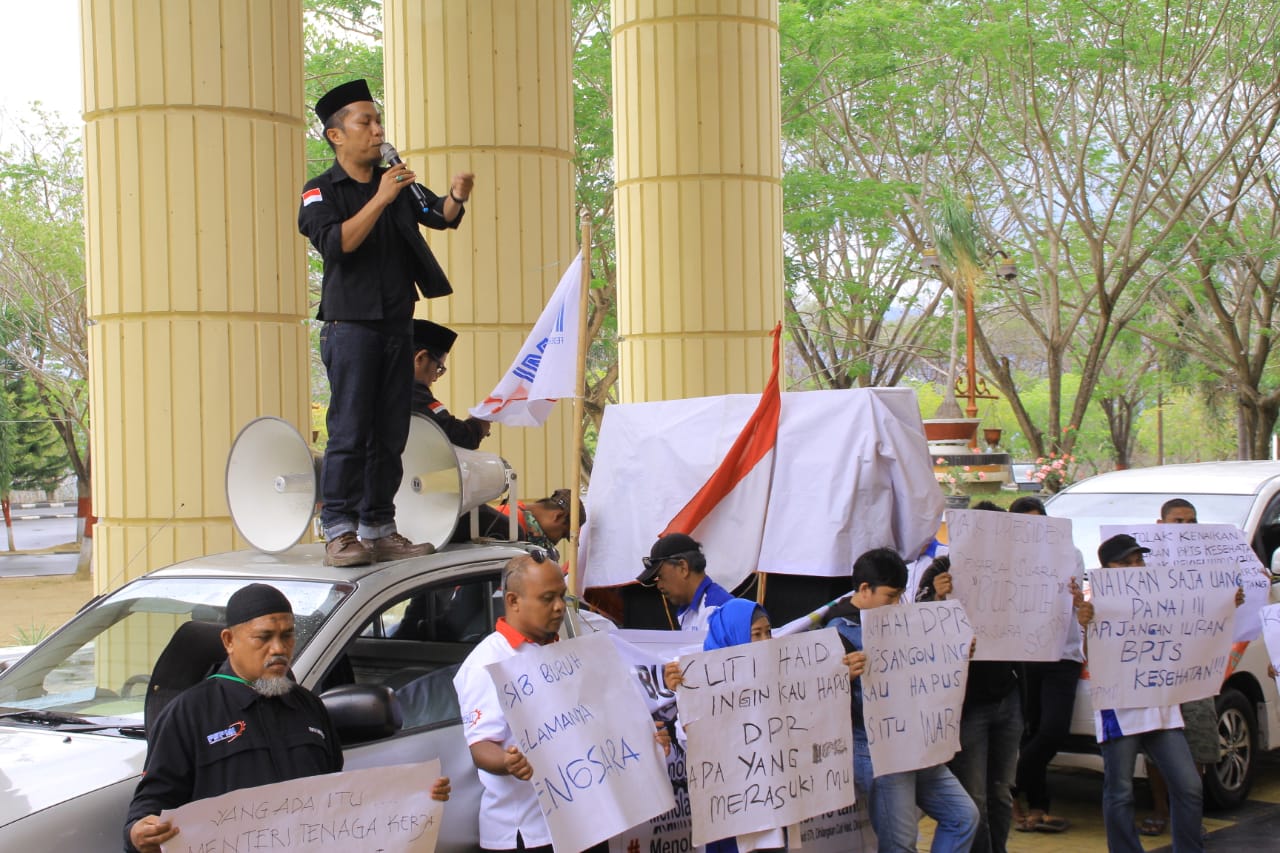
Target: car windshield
[1088,512]
[98,665]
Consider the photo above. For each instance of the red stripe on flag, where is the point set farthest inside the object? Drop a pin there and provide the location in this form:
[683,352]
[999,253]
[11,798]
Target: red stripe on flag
[758,437]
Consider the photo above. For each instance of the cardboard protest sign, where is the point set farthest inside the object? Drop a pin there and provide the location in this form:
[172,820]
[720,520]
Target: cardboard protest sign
[1217,547]
[912,690]
[1159,636]
[1012,573]
[846,830]
[578,716]
[378,808]
[672,830]
[644,653]
[1271,636]
[770,734]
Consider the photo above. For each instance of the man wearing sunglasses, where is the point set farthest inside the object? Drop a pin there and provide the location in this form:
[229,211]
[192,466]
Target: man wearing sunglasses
[678,568]
[431,345]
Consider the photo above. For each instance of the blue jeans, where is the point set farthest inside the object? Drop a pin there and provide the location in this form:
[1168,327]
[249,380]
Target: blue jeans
[1168,748]
[370,385]
[985,766]
[893,801]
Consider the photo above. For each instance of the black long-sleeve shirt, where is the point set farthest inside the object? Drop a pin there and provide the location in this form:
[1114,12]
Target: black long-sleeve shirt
[221,735]
[464,433]
[375,282]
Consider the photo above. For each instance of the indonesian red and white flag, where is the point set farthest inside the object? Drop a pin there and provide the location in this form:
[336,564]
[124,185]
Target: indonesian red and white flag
[727,514]
[546,367]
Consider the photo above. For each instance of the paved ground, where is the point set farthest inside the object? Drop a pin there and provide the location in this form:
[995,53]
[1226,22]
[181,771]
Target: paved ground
[1078,797]
[45,541]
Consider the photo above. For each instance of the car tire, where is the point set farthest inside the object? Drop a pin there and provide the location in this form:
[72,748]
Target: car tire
[1227,784]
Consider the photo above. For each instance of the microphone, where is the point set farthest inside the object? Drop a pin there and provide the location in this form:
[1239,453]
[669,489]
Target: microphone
[392,156]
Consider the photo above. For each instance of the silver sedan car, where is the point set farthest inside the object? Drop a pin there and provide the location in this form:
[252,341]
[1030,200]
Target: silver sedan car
[72,711]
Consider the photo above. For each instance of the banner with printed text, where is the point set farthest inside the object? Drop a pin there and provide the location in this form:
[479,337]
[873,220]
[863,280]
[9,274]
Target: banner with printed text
[1159,635]
[770,738]
[1013,573]
[377,808]
[913,687]
[1224,547]
[580,719]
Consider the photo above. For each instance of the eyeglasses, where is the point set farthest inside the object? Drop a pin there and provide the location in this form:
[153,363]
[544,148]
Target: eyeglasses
[543,555]
[651,563]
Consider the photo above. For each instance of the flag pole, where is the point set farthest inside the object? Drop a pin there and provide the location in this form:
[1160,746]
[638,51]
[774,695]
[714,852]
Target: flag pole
[579,404]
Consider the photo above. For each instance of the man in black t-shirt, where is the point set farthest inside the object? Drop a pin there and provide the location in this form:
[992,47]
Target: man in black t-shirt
[364,224]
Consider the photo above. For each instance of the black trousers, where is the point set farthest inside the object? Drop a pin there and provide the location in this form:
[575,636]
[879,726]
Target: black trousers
[371,385]
[1050,698]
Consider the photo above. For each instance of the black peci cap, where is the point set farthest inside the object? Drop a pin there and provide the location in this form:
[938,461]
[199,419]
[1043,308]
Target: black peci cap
[433,337]
[335,99]
[256,599]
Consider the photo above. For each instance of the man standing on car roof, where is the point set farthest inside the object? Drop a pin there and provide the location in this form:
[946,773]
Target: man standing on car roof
[362,218]
[247,724]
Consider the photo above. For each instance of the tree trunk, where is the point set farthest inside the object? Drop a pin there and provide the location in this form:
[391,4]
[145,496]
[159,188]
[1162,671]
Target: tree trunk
[1258,423]
[84,530]
[8,522]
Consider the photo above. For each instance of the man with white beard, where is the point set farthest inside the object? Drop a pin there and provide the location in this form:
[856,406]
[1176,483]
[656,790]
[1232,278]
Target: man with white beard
[245,725]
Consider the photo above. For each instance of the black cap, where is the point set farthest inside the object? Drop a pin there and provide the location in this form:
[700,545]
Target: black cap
[432,337]
[335,99]
[1117,548]
[256,599]
[667,547]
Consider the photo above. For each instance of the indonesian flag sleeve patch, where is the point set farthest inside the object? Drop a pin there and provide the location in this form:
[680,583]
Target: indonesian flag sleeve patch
[311,196]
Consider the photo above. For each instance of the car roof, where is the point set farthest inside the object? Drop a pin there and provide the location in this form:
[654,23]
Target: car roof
[1206,478]
[306,563]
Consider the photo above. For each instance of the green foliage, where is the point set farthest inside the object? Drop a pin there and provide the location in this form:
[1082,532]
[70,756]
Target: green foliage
[39,458]
[31,634]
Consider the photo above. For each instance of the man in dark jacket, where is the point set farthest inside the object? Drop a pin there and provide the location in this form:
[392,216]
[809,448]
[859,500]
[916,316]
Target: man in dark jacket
[364,224]
[431,344]
[247,724]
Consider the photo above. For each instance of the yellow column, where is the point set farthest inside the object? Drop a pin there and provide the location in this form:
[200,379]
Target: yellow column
[194,160]
[485,86]
[699,195]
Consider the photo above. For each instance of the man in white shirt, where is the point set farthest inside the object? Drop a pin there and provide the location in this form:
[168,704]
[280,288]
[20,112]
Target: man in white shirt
[533,591]
[510,818]
[678,568]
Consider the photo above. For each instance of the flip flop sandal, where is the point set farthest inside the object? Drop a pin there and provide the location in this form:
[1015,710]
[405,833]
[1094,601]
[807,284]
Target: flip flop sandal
[1152,826]
[1052,824]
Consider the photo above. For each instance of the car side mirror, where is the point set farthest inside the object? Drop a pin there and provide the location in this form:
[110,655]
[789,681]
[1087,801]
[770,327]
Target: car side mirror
[362,712]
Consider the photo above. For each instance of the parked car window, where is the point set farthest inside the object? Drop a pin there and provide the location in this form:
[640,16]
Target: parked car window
[416,642]
[1267,539]
[100,665]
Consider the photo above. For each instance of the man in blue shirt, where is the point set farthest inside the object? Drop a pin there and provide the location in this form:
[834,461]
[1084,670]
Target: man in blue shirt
[678,568]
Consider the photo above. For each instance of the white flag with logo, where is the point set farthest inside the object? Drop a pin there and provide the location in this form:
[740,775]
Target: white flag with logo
[546,368]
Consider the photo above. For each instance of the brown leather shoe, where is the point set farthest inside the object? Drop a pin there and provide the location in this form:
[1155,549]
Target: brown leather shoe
[347,550]
[396,547]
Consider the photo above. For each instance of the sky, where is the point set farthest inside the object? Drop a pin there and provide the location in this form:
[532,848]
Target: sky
[39,60]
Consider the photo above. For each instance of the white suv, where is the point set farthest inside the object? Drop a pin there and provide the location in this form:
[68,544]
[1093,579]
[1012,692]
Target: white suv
[1246,494]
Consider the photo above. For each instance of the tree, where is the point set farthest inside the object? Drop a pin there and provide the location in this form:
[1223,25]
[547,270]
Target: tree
[593,162]
[39,457]
[43,324]
[1086,132]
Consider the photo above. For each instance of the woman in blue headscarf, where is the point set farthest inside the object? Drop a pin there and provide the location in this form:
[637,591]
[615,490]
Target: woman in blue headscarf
[734,623]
